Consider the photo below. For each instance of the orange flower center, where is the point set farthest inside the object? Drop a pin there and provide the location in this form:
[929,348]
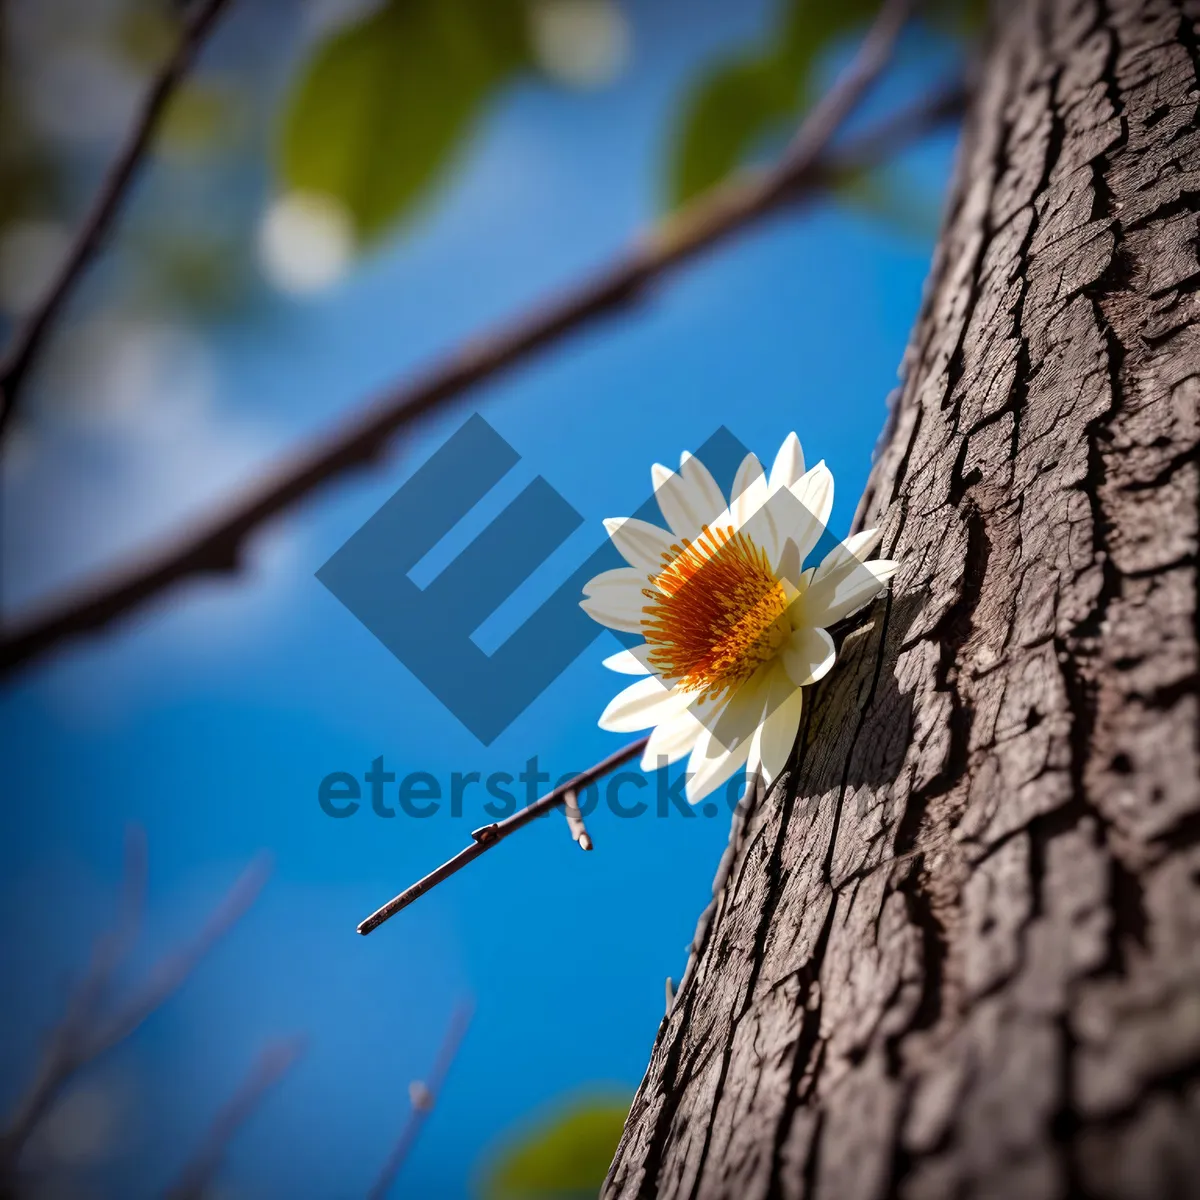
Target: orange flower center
[716,615]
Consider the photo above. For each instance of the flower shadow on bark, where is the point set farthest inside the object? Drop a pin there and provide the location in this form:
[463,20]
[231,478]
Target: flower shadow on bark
[855,736]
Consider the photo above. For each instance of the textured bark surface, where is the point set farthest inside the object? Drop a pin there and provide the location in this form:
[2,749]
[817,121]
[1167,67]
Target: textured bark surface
[1011,1008]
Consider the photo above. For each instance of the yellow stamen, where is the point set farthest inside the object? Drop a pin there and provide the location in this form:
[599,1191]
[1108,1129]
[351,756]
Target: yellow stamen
[717,615]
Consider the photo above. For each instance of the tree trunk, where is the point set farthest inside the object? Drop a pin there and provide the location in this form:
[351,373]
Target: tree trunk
[956,951]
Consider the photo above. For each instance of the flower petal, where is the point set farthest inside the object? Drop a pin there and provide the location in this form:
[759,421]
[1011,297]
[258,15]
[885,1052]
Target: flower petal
[614,598]
[808,656]
[840,593]
[814,490]
[711,764]
[642,704]
[623,579]
[749,491]
[685,507]
[709,498]
[788,465]
[774,739]
[645,547]
[848,554]
[671,741]
[629,662]
[862,543]
[788,566]
[754,511]
[733,720]
[728,732]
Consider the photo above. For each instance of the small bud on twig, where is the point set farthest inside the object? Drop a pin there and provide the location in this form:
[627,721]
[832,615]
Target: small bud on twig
[422,1095]
[575,822]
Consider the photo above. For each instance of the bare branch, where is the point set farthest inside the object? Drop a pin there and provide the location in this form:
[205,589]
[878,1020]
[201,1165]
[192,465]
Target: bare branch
[170,974]
[113,947]
[274,1062]
[98,222]
[82,1035]
[726,209]
[64,1052]
[215,545]
[492,835]
[423,1099]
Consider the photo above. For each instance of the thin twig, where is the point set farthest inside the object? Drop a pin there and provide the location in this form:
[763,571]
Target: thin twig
[698,225]
[272,1064]
[64,1051]
[98,222]
[485,838]
[423,1100]
[113,947]
[170,973]
[491,835]
[216,544]
[81,1036]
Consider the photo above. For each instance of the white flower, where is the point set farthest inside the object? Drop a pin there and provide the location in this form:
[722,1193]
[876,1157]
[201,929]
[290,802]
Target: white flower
[733,626]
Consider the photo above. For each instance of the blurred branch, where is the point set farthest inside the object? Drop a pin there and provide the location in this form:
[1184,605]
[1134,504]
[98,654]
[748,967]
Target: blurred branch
[216,544]
[903,129]
[726,208]
[423,1099]
[169,975]
[82,1035]
[64,1053]
[274,1062]
[492,835]
[99,219]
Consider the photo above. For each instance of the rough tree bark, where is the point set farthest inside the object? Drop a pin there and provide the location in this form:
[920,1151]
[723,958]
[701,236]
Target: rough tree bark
[1011,1008]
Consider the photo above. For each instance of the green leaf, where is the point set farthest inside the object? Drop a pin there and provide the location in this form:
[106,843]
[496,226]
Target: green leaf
[811,26]
[959,18]
[201,117]
[889,196]
[384,104]
[562,1158]
[745,100]
[730,110]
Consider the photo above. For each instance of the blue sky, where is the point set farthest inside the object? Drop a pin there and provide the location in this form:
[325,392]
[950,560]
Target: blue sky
[211,718]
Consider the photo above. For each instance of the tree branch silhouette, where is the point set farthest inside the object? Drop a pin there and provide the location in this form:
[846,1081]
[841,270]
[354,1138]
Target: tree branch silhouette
[215,545]
[272,1064]
[84,1033]
[485,838]
[423,1096]
[100,217]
